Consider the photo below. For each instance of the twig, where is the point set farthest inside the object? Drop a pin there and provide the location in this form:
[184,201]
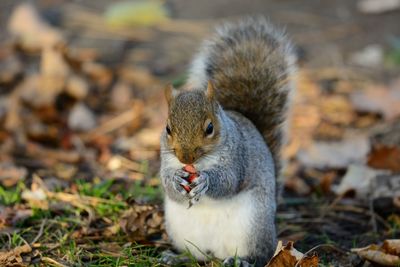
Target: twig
[117,122]
[40,232]
[346,218]
[53,262]
[362,211]
[9,238]
[331,206]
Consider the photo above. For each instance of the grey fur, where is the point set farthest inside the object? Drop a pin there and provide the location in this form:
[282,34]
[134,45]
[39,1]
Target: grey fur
[252,65]
[243,160]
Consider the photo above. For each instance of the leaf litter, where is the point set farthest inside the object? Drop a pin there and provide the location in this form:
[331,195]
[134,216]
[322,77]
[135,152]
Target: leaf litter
[80,142]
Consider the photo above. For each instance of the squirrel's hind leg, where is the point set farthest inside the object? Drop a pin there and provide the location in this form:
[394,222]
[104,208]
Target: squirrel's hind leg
[236,262]
[171,258]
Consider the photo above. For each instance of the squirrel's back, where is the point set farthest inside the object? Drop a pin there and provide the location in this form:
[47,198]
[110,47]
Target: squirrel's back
[251,65]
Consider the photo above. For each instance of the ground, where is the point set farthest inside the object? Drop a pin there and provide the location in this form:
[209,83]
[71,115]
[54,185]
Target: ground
[82,107]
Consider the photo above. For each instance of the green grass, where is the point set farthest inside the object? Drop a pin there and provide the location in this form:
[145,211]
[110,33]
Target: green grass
[11,196]
[66,235]
[97,189]
[147,193]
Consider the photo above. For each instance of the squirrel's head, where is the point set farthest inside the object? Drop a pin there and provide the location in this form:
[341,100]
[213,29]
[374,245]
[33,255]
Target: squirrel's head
[192,127]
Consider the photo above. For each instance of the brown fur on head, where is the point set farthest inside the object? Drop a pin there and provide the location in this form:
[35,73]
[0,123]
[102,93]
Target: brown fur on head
[189,116]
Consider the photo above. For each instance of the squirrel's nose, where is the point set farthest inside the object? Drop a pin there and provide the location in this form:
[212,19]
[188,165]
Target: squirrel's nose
[188,158]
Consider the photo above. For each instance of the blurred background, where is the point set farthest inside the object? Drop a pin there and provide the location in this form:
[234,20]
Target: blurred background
[82,108]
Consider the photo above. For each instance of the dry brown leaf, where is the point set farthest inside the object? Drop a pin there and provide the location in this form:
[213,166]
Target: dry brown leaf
[141,222]
[379,257]
[378,99]
[77,87]
[297,185]
[329,132]
[392,246]
[41,90]
[30,30]
[283,258]
[13,121]
[121,96]
[149,138]
[336,109]
[338,154]
[99,73]
[54,72]
[81,118]
[359,179]
[386,255]
[327,181]
[11,174]
[385,157]
[52,156]
[288,256]
[12,215]
[13,257]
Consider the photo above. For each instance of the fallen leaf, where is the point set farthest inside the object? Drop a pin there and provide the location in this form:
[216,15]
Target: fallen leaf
[54,72]
[141,222]
[36,196]
[385,157]
[30,30]
[149,138]
[370,56]
[121,96]
[338,154]
[10,216]
[297,185]
[328,132]
[41,91]
[377,7]
[378,99]
[336,109]
[13,257]
[81,118]
[77,87]
[288,256]
[99,73]
[358,178]
[10,174]
[392,246]
[388,254]
[379,257]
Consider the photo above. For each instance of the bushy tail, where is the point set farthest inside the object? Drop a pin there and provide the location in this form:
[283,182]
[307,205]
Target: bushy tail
[251,65]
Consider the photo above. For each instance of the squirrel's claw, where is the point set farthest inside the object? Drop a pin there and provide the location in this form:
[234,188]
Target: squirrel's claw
[199,187]
[179,184]
[182,173]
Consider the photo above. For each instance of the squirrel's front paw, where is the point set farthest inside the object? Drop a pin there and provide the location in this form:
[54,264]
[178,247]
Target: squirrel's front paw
[180,182]
[199,187]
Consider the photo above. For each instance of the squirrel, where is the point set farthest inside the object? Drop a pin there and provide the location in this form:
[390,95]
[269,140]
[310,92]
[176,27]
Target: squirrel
[229,124]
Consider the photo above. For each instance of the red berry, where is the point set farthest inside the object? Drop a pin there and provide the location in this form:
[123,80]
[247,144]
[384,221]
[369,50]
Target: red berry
[192,177]
[190,169]
[186,187]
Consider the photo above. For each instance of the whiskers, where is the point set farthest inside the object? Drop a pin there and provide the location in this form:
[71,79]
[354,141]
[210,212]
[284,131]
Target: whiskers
[167,151]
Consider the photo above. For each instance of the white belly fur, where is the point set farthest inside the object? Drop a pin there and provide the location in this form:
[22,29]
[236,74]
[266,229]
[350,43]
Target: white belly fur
[219,226]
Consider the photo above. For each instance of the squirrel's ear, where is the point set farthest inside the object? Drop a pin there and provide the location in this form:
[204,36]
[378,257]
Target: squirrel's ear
[210,90]
[169,93]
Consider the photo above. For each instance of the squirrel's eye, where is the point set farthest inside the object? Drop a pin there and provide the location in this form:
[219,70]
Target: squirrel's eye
[168,130]
[209,129]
